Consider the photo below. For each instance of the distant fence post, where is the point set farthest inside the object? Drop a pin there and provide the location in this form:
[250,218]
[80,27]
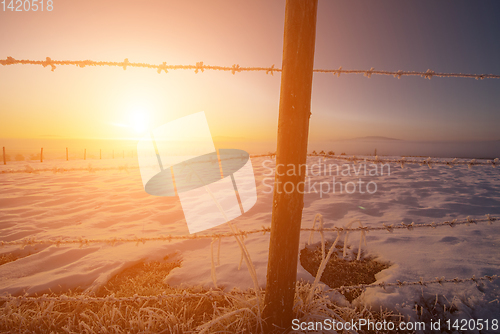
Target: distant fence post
[4,157]
[67,157]
[41,155]
[84,154]
[293,130]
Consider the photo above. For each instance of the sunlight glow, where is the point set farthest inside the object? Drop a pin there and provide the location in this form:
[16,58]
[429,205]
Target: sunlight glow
[139,121]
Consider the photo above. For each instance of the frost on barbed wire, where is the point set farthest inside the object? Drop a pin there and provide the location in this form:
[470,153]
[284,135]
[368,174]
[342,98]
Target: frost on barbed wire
[55,170]
[86,299]
[401,162]
[200,66]
[311,293]
[362,229]
[319,218]
[421,282]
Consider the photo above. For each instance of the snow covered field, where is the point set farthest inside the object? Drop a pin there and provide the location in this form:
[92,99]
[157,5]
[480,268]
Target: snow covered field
[108,204]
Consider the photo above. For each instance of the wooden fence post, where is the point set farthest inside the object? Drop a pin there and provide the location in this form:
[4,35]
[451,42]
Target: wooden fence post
[41,155]
[67,157]
[4,157]
[293,130]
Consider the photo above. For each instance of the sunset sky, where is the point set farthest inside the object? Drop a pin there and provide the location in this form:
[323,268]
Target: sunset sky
[104,102]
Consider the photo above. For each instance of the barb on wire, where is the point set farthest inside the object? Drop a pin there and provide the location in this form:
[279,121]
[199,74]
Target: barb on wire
[200,66]
[113,241]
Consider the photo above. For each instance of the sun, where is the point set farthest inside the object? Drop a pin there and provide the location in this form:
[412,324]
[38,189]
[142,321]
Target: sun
[138,121]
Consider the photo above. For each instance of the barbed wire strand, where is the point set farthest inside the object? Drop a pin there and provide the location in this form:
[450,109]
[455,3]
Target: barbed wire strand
[242,234]
[398,283]
[425,162]
[55,170]
[86,299]
[201,67]
[429,162]
[113,241]
[402,161]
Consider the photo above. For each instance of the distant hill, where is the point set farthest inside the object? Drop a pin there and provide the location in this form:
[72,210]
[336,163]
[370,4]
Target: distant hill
[375,138]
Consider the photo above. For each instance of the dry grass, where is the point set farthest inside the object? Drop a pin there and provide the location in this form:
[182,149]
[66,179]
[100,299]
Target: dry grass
[144,278]
[321,307]
[235,312]
[341,271]
[178,315]
[11,257]
[6,258]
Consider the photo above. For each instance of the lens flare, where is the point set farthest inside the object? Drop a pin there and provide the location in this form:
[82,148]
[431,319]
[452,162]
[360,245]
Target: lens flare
[139,121]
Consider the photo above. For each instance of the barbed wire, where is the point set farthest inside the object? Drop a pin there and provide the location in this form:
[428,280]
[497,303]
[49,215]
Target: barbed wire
[398,283]
[201,67]
[398,74]
[113,241]
[425,162]
[90,169]
[402,161]
[86,299]
[217,237]
[429,162]
[404,226]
